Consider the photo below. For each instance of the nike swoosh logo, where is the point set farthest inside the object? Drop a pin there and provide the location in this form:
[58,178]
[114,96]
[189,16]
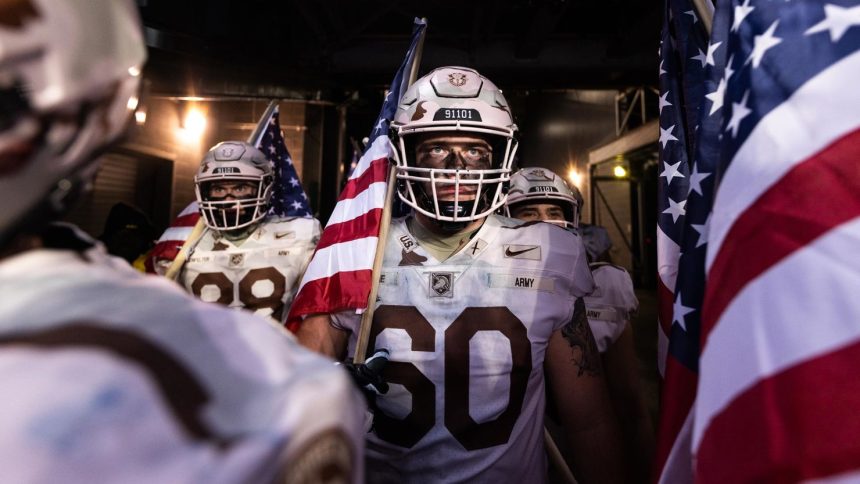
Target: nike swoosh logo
[514,253]
[281,235]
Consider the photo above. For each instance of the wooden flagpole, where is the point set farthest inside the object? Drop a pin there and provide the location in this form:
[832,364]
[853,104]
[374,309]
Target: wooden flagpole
[367,317]
[200,227]
[705,9]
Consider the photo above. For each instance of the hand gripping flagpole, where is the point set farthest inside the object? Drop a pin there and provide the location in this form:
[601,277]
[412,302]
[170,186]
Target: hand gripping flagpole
[200,227]
[384,224]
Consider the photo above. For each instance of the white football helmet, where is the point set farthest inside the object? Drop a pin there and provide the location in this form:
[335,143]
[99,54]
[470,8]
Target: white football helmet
[539,185]
[69,76]
[234,161]
[451,100]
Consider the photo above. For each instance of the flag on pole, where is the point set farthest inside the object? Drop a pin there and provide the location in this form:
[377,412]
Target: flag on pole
[288,197]
[778,391]
[692,80]
[339,276]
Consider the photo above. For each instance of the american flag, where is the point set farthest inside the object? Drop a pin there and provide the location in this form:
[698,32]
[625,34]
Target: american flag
[288,197]
[690,74]
[339,276]
[778,324]
[778,392]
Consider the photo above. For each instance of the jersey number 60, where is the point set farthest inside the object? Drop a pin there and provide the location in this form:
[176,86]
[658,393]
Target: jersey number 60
[472,435]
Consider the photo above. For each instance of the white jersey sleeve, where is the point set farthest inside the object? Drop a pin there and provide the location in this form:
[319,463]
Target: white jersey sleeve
[113,376]
[261,275]
[611,305]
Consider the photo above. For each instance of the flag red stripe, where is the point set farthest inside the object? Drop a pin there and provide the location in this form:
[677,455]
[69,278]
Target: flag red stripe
[375,173]
[187,220]
[366,225]
[796,425]
[343,290]
[815,196]
[679,393]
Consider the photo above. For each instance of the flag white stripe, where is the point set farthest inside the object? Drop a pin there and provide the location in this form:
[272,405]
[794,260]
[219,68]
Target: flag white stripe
[372,197]
[380,148]
[679,465]
[354,255]
[176,233]
[851,477]
[818,113]
[806,327]
[668,253]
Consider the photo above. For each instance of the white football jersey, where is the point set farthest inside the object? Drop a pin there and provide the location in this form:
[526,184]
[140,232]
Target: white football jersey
[108,375]
[261,274]
[611,304]
[467,338]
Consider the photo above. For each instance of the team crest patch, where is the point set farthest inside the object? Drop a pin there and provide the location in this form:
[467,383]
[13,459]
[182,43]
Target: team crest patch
[457,79]
[236,259]
[442,284]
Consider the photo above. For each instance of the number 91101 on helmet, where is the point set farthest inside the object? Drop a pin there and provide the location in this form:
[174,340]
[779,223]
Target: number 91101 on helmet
[454,142]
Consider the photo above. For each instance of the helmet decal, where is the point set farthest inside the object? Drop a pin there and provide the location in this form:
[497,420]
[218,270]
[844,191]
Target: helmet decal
[457,79]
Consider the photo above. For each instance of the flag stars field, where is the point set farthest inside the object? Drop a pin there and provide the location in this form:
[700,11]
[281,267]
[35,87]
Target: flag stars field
[696,180]
[762,43]
[741,12]
[739,112]
[837,21]
[671,171]
[676,209]
[663,102]
[679,311]
[666,135]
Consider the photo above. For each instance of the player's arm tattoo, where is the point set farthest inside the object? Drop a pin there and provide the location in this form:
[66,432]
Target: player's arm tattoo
[583,348]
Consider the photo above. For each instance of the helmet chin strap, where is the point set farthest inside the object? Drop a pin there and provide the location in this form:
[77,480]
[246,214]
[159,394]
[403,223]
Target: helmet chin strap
[448,209]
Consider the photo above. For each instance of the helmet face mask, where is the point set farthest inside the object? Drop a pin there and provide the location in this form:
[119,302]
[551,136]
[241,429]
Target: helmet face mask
[69,74]
[234,162]
[453,104]
[541,186]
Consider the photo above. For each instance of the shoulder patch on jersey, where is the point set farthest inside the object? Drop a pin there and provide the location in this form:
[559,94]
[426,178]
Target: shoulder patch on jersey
[442,284]
[522,281]
[411,259]
[607,314]
[407,242]
[531,252]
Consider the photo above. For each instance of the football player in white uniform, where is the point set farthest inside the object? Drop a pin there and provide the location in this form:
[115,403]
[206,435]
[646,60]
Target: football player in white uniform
[108,375]
[539,194]
[475,309]
[246,259]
